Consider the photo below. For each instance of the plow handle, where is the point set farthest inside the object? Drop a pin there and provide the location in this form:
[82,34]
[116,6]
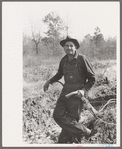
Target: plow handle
[72,93]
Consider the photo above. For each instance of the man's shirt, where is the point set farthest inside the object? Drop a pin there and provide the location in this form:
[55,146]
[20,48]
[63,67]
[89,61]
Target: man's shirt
[84,68]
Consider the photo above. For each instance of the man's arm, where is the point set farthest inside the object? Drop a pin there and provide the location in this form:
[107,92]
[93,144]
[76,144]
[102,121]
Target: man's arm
[90,75]
[58,75]
[55,78]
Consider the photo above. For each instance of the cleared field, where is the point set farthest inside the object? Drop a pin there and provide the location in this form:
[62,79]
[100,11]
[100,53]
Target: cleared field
[38,124]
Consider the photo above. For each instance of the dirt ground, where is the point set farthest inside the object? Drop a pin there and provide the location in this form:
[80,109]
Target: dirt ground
[38,124]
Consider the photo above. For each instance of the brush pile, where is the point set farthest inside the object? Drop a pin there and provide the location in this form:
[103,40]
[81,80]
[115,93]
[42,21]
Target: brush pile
[104,127]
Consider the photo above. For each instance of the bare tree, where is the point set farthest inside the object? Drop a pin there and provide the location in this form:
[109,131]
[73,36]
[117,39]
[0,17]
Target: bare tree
[36,37]
[98,37]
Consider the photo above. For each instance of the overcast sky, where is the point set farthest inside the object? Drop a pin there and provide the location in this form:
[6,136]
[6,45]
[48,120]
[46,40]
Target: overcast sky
[83,17]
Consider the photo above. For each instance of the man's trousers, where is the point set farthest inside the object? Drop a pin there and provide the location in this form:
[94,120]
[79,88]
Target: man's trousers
[67,114]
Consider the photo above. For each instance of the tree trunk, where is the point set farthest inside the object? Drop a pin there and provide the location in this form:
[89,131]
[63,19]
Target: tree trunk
[37,48]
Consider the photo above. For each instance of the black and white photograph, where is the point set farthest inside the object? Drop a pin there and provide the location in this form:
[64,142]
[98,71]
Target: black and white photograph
[61,74]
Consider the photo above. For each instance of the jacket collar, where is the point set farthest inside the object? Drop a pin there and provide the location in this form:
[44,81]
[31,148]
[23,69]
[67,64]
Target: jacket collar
[75,57]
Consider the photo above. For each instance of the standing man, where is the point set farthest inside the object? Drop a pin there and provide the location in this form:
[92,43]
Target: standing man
[78,75]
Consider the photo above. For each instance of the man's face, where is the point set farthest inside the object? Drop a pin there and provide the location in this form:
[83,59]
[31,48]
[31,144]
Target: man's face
[70,48]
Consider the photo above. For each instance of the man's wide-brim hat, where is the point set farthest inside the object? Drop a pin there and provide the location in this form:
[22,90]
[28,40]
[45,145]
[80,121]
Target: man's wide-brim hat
[62,43]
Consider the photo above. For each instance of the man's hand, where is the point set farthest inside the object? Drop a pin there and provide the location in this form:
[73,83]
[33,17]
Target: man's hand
[46,85]
[80,93]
